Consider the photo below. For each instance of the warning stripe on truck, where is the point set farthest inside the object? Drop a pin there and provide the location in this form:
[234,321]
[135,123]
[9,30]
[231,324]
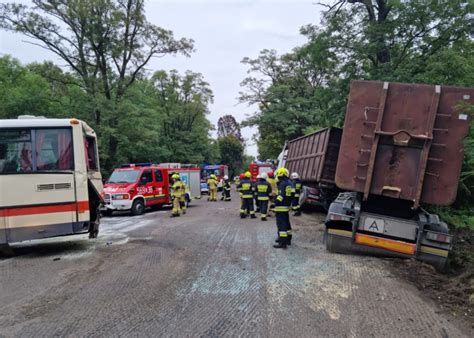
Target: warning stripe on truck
[387,244]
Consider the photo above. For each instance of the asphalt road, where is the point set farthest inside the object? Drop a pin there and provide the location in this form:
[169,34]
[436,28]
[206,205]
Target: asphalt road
[207,273]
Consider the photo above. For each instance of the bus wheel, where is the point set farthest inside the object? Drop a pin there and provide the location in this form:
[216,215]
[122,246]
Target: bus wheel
[6,250]
[138,207]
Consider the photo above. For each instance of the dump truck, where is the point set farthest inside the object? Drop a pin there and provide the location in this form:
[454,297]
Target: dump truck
[314,158]
[402,146]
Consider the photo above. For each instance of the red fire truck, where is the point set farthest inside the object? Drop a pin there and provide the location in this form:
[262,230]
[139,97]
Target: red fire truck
[258,168]
[135,187]
[220,170]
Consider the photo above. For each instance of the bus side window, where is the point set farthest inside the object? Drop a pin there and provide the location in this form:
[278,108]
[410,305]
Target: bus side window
[91,153]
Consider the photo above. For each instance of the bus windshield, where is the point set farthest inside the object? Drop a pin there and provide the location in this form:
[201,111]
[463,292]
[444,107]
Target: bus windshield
[124,176]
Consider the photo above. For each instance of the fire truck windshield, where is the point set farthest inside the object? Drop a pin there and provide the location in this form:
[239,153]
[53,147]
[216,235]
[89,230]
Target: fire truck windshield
[209,172]
[124,176]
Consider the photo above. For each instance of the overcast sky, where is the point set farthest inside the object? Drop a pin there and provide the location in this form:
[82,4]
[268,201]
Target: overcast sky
[224,31]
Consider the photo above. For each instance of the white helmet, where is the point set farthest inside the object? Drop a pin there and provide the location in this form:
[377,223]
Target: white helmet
[226,177]
[294,176]
[264,176]
[259,176]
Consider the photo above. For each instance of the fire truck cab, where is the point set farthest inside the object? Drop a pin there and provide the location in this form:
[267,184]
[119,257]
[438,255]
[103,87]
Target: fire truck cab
[220,170]
[258,168]
[135,187]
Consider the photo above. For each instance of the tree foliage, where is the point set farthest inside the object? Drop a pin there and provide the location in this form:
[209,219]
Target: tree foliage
[105,43]
[408,41]
[231,153]
[227,125]
[165,114]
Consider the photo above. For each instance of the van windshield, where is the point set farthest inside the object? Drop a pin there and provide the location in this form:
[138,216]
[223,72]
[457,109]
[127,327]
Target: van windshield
[124,176]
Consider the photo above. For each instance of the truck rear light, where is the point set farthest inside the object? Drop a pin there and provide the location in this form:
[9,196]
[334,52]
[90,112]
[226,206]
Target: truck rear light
[438,237]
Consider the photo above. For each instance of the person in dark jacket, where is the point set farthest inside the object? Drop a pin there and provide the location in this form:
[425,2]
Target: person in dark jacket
[263,190]
[246,189]
[282,208]
[295,206]
[226,189]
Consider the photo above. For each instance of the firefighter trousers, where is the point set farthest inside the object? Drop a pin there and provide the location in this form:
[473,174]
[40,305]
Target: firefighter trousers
[226,195]
[247,207]
[212,194]
[284,227]
[263,204]
[176,206]
[295,205]
[182,204]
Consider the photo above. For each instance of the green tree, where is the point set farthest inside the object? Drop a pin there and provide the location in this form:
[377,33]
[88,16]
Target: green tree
[105,43]
[23,92]
[231,153]
[182,107]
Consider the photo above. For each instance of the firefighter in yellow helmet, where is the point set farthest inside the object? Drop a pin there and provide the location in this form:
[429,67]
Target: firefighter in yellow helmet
[282,208]
[176,194]
[212,184]
[273,183]
[246,189]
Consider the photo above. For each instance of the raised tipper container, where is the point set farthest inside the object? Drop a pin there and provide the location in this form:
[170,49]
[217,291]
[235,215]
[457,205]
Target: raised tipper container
[314,156]
[404,141]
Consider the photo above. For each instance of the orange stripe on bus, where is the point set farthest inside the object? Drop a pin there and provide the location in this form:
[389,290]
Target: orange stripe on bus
[387,244]
[81,206]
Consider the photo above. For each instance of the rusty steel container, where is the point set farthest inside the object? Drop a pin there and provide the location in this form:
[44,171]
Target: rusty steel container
[314,156]
[404,141]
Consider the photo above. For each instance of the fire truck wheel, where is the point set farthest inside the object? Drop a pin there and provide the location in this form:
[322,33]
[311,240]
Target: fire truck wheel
[138,207]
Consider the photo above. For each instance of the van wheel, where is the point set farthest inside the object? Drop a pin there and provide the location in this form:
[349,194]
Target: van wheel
[138,207]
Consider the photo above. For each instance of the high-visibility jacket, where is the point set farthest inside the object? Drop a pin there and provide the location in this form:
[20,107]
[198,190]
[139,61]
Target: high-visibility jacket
[212,183]
[178,189]
[263,190]
[273,184]
[246,188]
[285,195]
[297,187]
[226,186]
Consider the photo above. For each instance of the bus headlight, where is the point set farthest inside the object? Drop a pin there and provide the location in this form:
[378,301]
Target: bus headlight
[121,197]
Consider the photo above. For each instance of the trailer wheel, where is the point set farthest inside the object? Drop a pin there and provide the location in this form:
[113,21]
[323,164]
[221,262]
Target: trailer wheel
[138,207]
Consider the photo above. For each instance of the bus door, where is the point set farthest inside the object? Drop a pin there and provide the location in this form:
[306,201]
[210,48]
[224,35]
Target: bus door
[161,190]
[146,186]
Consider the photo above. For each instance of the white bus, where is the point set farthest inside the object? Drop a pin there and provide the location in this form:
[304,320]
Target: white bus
[50,182]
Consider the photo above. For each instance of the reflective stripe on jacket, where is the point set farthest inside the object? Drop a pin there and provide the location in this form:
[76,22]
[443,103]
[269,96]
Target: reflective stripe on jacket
[285,195]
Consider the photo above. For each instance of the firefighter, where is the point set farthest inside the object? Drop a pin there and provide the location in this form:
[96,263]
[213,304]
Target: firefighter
[282,208]
[182,199]
[263,191]
[237,187]
[226,189]
[295,205]
[273,183]
[176,195]
[247,191]
[212,184]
